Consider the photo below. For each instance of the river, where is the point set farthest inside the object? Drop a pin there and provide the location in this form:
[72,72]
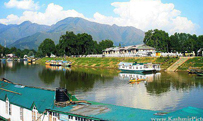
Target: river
[162,91]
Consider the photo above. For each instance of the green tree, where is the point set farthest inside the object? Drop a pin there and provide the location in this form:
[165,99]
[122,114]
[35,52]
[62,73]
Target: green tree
[85,43]
[182,42]
[67,44]
[80,44]
[158,39]
[31,53]
[6,51]
[105,44]
[47,47]
[1,50]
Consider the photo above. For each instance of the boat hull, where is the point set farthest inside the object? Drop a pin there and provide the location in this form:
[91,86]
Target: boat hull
[138,71]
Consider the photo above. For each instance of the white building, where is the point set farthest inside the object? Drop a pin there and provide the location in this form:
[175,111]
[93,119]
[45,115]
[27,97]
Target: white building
[129,51]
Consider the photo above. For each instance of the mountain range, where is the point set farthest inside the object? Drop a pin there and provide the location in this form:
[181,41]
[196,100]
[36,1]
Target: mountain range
[29,35]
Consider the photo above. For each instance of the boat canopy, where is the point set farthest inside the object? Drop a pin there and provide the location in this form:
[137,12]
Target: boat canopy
[125,63]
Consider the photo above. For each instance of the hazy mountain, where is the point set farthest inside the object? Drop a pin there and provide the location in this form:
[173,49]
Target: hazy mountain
[11,33]
[124,35]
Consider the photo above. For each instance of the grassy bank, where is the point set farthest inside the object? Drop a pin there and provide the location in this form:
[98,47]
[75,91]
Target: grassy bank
[112,62]
[196,62]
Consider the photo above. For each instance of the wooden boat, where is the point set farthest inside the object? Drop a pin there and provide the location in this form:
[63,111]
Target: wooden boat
[194,70]
[56,63]
[138,67]
[199,73]
[136,80]
[47,63]
[66,64]
[29,60]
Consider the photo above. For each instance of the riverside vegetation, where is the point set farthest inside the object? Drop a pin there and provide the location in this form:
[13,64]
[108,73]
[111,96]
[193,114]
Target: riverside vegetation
[112,62]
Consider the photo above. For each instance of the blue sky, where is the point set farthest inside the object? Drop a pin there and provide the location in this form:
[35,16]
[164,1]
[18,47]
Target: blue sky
[169,15]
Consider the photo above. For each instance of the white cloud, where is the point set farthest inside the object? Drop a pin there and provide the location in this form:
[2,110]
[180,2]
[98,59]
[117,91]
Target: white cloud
[22,4]
[146,15]
[142,14]
[53,14]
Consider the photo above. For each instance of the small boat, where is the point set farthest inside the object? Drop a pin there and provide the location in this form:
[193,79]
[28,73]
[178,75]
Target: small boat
[33,60]
[136,80]
[56,63]
[66,63]
[29,60]
[48,62]
[138,67]
[199,73]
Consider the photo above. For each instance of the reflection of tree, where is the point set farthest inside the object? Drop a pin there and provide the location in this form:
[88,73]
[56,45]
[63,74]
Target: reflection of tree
[178,81]
[3,68]
[47,76]
[16,66]
[158,87]
[80,80]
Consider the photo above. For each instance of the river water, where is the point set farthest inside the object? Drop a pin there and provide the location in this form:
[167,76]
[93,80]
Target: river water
[161,91]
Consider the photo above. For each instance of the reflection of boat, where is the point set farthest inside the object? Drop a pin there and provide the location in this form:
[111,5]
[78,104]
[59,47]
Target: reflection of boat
[9,59]
[29,60]
[142,76]
[57,68]
[136,80]
[25,62]
[3,60]
[58,63]
[10,64]
[138,67]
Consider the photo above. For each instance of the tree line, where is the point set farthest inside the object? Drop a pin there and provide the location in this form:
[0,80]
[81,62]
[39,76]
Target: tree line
[178,42]
[18,52]
[69,44]
[72,44]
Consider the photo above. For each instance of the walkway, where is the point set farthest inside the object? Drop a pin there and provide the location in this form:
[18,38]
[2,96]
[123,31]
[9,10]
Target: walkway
[178,63]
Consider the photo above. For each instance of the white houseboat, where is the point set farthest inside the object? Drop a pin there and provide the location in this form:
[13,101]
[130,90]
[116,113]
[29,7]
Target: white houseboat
[138,67]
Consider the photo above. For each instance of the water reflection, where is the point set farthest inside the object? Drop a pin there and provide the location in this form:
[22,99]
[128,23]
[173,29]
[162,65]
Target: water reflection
[163,91]
[149,77]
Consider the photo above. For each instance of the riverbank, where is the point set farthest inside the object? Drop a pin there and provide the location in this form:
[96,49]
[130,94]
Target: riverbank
[112,62]
[196,62]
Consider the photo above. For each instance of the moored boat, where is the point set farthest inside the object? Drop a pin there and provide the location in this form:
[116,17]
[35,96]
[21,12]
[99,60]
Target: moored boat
[66,64]
[138,67]
[199,73]
[48,62]
[56,63]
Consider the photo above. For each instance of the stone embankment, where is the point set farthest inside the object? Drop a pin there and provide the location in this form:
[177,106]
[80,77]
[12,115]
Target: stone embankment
[178,63]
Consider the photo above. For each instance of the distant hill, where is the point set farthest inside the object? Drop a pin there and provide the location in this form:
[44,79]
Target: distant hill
[124,35]
[11,33]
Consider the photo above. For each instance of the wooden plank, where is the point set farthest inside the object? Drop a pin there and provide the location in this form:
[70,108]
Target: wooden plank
[10,91]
